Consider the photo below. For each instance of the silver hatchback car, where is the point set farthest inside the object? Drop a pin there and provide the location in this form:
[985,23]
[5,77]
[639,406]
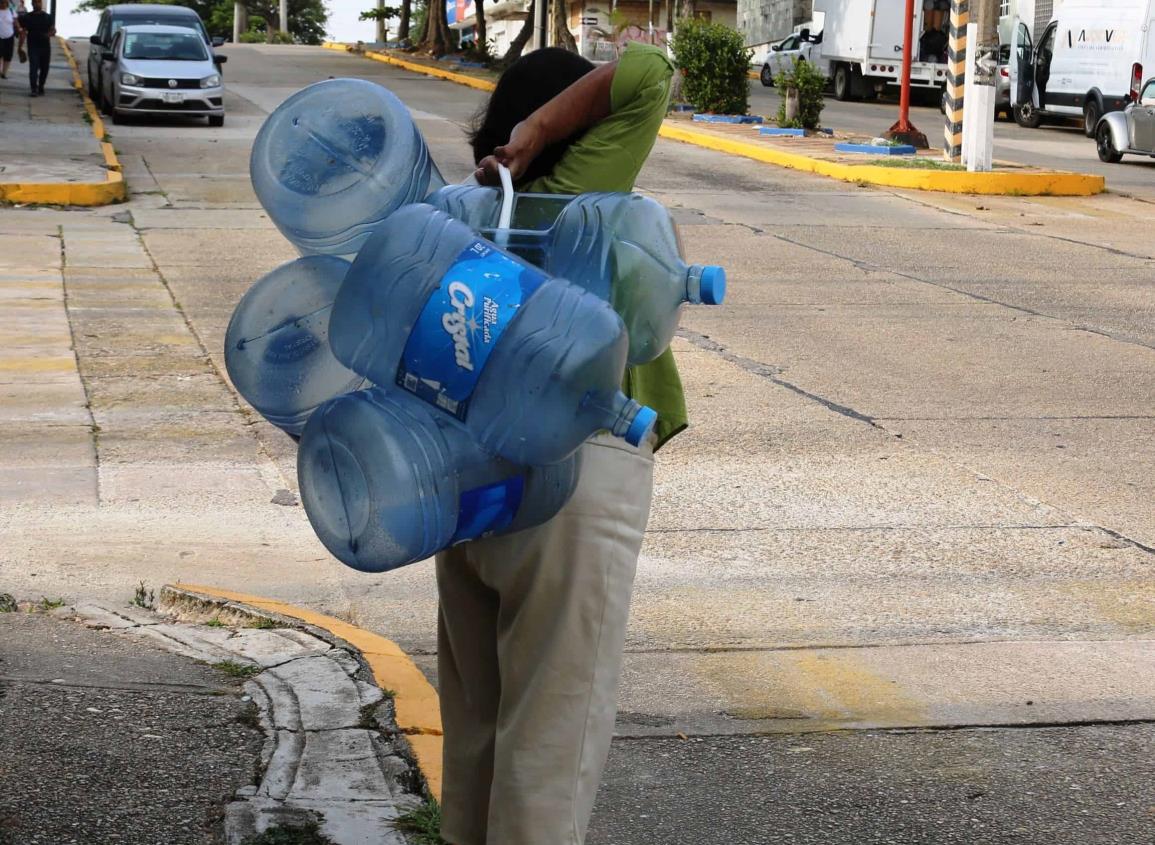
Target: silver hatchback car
[153,69]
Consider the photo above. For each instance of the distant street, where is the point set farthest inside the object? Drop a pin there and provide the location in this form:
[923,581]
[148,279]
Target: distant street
[1062,147]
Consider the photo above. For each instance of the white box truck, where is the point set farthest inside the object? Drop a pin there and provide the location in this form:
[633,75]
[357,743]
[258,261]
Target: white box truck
[1089,60]
[862,43]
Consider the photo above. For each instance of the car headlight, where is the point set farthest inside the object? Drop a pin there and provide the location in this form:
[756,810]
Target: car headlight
[211,81]
[129,79]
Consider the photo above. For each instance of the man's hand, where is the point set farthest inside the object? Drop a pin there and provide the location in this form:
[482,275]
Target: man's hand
[525,144]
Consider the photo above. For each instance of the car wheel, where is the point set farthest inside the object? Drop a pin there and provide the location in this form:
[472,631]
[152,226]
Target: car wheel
[1027,116]
[118,117]
[1092,111]
[216,120]
[842,83]
[105,105]
[767,76]
[93,90]
[1105,144]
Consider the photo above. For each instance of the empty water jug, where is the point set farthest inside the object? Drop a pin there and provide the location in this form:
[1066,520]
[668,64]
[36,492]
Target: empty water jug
[277,343]
[386,480]
[333,160]
[530,363]
[622,247]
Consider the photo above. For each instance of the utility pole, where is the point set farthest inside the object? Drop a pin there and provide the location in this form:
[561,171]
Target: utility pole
[380,22]
[240,21]
[904,130]
[539,39]
[979,119]
[284,16]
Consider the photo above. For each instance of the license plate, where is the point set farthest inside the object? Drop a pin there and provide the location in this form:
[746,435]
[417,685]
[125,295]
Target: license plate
[173,97]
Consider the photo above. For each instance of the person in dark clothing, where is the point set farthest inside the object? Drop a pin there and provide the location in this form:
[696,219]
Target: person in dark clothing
[36,30]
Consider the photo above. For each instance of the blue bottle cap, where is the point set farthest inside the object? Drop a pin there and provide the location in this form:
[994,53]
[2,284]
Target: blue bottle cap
[642,424]
[713,285]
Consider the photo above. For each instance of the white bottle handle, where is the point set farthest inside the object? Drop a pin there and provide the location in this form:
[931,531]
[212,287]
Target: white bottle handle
[506,215]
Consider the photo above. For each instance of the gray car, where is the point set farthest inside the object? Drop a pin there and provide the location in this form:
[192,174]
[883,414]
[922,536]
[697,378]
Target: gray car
[1130,131]
[136,14]
[154,69]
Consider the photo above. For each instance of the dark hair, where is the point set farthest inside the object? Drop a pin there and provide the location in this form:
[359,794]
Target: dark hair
[527,85]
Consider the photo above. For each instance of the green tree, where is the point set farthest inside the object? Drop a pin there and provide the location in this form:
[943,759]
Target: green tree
[436,38]
[307,18]
[380,13]
[714,64]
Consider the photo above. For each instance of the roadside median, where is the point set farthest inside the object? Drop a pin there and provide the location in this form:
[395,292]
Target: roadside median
[54,160]
[926,172]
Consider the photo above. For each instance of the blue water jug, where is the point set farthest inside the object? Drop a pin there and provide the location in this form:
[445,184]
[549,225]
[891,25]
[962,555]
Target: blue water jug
[386,480]
[277,343]
[530,363]
[333,160]
[622,247]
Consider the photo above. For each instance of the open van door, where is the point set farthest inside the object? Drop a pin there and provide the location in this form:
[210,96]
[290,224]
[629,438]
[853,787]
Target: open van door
[1022,70]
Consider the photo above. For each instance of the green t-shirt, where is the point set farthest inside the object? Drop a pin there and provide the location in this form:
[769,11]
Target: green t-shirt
[608,157]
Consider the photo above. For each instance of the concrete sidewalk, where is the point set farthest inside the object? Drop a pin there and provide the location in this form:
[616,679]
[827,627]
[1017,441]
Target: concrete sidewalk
[53,151]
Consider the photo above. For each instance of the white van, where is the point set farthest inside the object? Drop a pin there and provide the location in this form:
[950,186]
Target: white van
[1089,60]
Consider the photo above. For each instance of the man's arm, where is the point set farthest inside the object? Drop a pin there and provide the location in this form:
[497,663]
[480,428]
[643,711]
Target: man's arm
[578,107]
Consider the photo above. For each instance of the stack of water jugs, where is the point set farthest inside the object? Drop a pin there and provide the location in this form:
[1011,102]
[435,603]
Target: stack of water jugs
[441,351]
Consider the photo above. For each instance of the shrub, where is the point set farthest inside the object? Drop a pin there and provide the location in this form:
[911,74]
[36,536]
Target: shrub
[810,83]
[713,63]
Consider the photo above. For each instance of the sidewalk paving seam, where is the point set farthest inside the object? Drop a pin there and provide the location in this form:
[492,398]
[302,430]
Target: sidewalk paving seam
[1038,182]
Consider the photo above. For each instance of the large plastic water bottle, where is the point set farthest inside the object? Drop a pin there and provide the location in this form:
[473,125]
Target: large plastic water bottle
[623,247]
[387,480]
[532,364]
[277,343]
[333,160]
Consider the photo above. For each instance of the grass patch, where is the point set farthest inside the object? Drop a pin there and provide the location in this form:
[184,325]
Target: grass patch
[237,670]
[144,597]
[424,823]
[261,622]
[8,603]
[918,163]
[46,604]
[215,622]
[307,834]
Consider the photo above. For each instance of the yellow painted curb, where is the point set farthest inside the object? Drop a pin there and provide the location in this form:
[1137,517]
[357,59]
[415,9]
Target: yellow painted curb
[415,702]
[1031,183]
[448,75]
[111,190]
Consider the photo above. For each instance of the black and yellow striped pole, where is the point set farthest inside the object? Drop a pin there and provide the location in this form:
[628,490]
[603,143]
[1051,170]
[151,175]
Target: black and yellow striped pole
[956,79]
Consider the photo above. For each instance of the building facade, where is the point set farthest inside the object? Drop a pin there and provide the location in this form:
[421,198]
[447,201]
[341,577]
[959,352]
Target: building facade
[761,21]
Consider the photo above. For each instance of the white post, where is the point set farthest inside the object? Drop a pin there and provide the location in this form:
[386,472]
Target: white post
[969,102]
[284,15]
[239,23]
[983,70]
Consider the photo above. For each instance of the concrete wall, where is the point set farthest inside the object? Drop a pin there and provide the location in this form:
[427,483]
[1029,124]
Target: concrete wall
[760,21]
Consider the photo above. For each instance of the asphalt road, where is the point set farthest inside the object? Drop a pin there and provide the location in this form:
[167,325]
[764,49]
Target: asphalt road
[1058,146]
[915,494]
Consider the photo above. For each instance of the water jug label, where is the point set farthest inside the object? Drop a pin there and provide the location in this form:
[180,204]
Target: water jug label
[485,510]
[461,323]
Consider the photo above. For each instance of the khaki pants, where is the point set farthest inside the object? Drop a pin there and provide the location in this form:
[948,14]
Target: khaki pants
[530,637]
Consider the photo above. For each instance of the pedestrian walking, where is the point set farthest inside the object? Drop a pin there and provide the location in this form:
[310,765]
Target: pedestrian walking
[532,625]
[36,31]
[8,28]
